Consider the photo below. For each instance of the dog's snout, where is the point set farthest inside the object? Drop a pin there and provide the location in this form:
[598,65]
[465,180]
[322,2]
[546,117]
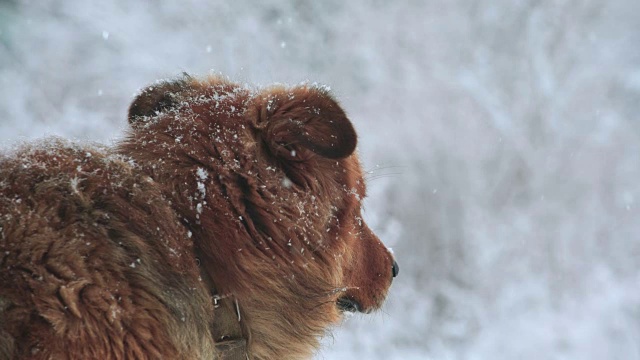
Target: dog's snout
[395,269]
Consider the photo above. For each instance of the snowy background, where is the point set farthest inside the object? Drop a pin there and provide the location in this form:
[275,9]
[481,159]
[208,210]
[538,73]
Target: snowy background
[503,139]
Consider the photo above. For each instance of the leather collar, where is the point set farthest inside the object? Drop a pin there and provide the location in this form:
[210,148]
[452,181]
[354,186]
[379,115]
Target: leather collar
[230,340]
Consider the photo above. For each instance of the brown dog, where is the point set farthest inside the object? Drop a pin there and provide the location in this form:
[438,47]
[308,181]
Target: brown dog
[225,226]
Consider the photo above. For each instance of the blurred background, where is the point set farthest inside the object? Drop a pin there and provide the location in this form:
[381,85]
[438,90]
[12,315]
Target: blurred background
[502,140]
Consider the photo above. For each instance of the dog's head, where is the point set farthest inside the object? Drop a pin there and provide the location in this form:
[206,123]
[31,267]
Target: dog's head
[271,189]
[314,141]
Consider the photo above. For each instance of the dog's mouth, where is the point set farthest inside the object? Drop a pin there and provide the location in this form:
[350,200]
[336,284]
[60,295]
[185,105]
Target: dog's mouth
[347,304]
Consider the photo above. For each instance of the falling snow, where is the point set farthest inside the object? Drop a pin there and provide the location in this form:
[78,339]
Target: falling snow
[506,136]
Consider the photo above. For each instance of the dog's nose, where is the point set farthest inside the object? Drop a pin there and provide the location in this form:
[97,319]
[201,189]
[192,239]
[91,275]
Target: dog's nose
[395,269]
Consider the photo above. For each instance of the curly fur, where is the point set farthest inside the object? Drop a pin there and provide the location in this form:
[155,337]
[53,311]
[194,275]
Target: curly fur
[251,194]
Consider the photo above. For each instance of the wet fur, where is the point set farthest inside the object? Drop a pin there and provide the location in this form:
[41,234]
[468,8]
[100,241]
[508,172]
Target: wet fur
[253,194]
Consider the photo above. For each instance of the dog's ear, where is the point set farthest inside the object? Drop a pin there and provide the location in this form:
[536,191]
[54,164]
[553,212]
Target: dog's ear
[294,121]
[156,98]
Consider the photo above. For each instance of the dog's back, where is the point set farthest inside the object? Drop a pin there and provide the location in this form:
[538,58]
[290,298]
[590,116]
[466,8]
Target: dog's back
[89,265]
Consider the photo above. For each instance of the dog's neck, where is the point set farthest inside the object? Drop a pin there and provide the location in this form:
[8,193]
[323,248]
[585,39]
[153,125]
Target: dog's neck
[228,335]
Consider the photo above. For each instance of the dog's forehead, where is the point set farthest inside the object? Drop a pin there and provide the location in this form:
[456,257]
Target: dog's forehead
[360,185]
[354,181]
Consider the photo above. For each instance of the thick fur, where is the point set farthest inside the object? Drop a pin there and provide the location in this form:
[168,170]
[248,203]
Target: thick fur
[250,195]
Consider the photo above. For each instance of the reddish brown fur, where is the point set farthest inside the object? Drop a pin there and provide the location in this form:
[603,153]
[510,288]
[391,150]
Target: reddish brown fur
[99,248]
